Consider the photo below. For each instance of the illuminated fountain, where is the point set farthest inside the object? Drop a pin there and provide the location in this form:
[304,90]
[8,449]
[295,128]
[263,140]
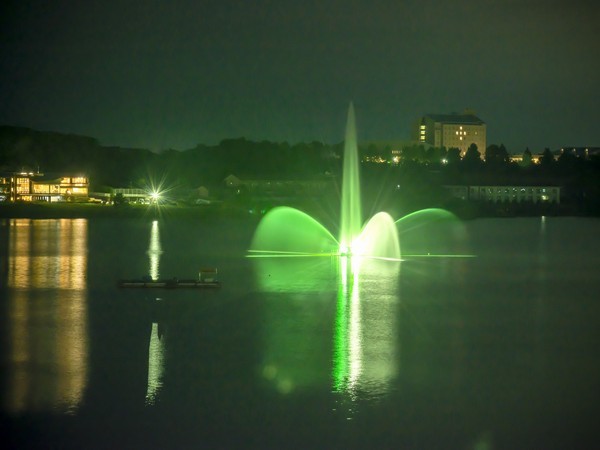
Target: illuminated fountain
[287,231]
[296,254]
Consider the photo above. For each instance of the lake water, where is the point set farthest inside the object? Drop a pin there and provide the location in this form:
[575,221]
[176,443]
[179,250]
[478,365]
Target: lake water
[485,336]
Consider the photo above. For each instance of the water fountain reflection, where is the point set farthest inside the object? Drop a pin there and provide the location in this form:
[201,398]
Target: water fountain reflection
[365,343]
[352,347]
[47,359]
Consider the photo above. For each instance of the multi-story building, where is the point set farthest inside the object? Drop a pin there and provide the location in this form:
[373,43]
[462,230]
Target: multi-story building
[451,131]
[35,186]
[513,194]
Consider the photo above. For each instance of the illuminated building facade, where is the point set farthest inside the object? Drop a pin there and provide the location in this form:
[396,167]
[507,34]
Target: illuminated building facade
[451,131]
[512,194]
[273,188]
[535,158]
[35,186]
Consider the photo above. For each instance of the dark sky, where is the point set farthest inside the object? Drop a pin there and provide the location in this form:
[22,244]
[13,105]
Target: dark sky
[160,74]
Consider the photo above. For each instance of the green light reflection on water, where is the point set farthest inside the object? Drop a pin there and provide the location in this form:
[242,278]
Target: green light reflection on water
[365,353]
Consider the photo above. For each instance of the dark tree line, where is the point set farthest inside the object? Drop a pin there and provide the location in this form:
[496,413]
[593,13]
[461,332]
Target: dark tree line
[421,172]
[26,149]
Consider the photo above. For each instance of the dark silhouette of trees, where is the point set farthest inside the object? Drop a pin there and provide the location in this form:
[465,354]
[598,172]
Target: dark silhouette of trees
[472,157]
[547,159]
[435,155]
[119,199]
[453,156]
[527,158]
[496,155]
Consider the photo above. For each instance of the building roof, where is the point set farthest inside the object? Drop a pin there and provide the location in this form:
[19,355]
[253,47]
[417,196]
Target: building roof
[461,119]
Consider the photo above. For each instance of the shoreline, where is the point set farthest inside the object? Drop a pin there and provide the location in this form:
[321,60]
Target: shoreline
[92,211]
[223,210]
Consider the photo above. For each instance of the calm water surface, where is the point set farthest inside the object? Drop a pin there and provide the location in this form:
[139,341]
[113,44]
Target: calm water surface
[485,336]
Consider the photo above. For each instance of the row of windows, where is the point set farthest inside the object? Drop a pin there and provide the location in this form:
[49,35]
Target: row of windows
[73,180]
[515,190]
[46,188]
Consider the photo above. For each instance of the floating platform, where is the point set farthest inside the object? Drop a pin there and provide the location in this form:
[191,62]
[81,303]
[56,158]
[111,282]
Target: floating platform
[206,279]
[168,284]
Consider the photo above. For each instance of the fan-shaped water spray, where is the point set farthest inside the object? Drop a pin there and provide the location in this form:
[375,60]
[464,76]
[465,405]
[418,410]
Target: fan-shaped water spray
[288,231]
[363,260]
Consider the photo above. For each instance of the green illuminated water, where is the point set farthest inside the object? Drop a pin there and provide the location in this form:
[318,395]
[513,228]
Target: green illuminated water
[286,231]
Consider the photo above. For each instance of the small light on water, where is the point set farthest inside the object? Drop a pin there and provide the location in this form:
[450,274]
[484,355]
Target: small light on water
[270,372]
[285,386]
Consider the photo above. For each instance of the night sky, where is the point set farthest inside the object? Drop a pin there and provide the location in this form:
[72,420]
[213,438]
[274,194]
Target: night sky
[172,74]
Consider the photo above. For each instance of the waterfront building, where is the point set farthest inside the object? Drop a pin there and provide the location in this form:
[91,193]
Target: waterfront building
[511,194]
[36,186]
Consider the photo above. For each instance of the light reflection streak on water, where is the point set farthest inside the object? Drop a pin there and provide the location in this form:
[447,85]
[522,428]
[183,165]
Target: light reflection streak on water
[46,361]
[155,365]
[156,346]
[154,251]
[365,356]
[363,351]
[354,343]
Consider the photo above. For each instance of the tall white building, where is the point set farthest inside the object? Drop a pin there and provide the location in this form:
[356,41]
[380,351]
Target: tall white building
[452,130]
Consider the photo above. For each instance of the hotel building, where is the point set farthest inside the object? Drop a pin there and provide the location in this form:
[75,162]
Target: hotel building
[451,130]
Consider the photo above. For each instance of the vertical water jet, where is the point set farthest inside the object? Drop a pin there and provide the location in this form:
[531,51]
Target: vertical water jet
[351,214]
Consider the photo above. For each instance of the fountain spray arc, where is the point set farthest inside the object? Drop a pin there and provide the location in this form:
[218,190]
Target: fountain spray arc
[286,231]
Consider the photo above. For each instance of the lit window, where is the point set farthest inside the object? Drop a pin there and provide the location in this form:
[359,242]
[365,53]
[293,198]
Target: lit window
[22,185]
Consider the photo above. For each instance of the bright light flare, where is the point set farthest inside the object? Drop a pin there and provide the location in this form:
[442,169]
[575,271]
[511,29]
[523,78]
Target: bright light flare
[345,250]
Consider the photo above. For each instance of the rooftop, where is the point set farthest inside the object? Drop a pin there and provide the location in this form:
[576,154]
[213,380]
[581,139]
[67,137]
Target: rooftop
[463,119]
